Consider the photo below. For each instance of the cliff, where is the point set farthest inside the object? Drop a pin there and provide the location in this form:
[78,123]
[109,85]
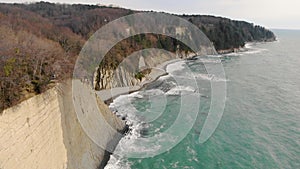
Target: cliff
[140,67]
[44,132]
[39,45]
[40,42]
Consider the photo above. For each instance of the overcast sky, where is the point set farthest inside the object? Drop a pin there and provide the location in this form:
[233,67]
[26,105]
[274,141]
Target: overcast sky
[268,13]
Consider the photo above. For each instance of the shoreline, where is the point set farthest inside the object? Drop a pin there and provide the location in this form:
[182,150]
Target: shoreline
[244,48]
[154,75]
[108,95]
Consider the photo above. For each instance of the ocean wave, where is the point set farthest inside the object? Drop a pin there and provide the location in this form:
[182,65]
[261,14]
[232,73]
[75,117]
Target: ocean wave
[210,60]
[210,77]
[248,45]
[180,90]
[249,48]
[117,163]
[151,92]
[234,54]
[254,51]
[247,52]
[199,76]
[123,107]
[177,66]
[215,56]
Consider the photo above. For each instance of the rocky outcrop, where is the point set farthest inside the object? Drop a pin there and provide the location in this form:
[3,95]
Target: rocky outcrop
[44,132]
[125,75]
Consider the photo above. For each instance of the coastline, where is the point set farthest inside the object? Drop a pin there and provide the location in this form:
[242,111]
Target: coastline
[108,95]
[232,50]
[244,48]
[52,124]
[156,73]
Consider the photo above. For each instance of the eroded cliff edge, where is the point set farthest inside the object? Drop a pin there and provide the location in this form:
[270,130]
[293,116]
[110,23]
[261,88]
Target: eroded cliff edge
[44,132]
[140,67]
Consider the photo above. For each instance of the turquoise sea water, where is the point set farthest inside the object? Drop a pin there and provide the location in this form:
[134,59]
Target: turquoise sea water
[260,127]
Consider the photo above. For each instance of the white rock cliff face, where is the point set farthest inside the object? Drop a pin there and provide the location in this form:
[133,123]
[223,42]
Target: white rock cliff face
[43,132]
[124,74]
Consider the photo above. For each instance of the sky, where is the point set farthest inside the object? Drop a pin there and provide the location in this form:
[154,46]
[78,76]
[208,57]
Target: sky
[280,14]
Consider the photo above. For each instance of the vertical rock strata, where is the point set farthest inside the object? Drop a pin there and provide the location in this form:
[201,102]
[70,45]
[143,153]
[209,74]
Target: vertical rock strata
[44,132]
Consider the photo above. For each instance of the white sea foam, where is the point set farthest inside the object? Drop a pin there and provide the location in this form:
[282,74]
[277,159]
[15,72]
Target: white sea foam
[234,54]
[215,56]
[153,92]
[180,90]
[210,60]
[249,45]
[137,95]
[117,163]
[175,66]
[250,48]
[209,77]
[200,76]
[254,51]
[123,107]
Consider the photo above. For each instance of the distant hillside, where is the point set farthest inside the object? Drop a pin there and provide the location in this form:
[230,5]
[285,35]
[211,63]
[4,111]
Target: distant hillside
[228,34]
[40,42]
[86,19]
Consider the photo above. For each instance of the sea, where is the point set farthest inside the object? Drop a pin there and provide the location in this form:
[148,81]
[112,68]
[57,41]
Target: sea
[258,126]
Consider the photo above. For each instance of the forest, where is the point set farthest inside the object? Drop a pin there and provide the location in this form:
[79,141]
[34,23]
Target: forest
[40,42]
